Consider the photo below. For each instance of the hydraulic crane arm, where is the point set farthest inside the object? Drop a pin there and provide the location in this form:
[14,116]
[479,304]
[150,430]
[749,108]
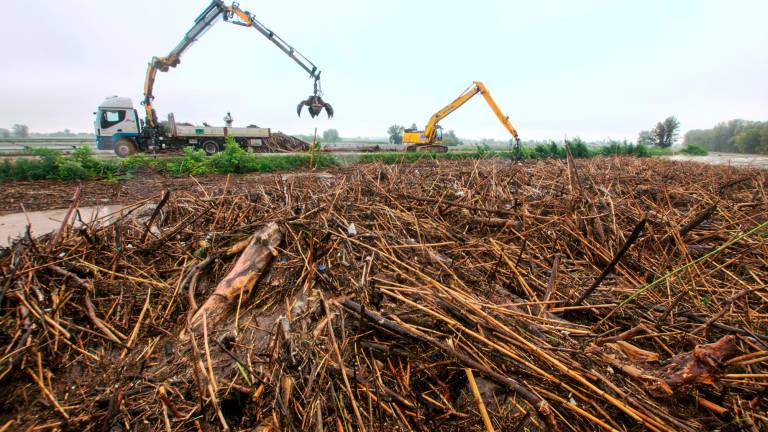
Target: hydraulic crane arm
[247,19]
[233,14]
[430,131]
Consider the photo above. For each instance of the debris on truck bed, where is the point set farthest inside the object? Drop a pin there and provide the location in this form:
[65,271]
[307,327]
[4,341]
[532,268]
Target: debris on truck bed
[613,293]
[279,142]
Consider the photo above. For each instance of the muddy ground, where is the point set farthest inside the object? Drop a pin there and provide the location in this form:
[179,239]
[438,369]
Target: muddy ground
[46,195]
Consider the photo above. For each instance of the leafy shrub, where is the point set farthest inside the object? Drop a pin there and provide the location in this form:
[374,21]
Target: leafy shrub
[660,151]
[69,170]
[694,150]
[233,159]
[541,151]
[642,150]
[578,148]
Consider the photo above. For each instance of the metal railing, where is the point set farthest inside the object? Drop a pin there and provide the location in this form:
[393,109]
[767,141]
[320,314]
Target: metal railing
[20,145]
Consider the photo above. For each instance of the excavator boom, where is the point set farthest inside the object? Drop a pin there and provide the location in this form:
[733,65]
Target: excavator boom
[429,137]
[233,14]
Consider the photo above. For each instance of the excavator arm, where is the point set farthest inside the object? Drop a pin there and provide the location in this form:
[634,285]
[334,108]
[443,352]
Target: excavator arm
[233,14]
[430,131]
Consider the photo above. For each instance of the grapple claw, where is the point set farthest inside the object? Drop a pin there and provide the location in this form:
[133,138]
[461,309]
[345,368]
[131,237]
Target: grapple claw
[315,106]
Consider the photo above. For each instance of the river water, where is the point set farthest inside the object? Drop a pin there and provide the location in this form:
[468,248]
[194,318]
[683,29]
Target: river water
[43,222]
[733,159]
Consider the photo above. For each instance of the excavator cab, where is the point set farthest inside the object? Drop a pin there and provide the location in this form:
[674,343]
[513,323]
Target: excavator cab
[415,140]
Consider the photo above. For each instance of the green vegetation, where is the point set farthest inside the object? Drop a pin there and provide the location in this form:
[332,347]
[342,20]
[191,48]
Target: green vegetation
[46,164]
[395,134]
[331,136]
[735,136]
[660,151]
[694,150]
[663,135]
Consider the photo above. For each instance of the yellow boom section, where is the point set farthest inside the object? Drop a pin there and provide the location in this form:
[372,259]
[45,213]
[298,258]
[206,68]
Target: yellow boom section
[430,131]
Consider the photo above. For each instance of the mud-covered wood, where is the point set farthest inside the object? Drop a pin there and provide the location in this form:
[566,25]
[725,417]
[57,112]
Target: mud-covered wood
[243,276]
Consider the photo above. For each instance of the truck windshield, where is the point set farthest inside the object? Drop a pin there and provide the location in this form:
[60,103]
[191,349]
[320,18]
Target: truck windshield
[110,118]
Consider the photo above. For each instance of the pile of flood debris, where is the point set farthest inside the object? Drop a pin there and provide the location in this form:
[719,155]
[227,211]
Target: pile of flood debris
[613,293]
[279,142]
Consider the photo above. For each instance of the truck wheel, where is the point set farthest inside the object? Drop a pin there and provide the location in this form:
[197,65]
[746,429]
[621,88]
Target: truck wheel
[211,147]
[125,147]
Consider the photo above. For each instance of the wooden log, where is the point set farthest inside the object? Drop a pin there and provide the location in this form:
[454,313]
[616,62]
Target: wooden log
[243,276]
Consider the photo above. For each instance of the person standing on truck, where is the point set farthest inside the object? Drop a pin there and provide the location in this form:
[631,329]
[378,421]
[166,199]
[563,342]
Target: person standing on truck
[228,119]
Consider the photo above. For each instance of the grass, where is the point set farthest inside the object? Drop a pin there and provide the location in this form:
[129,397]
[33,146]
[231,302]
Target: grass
[660,151]
[82,165]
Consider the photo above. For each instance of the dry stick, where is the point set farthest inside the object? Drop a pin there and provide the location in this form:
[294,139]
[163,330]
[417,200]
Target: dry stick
[65,221]
[191,280]
[726,305]
[492,221]
[715,408]
[358,417]
[213,387]
[479,399]
[573,407]
[542,407]
[678,298]
[135,332]
[48,394]
[11,275]
[89,309]
[455,204]
[575,179]
[645,288]
[734,183]
[697,220]
[624,248]
[155,212]
[551,284]
[649,422]
[189,221]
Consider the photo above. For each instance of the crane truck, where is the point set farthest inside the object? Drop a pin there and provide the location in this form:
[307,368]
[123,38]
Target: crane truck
[119,128]
[431,138]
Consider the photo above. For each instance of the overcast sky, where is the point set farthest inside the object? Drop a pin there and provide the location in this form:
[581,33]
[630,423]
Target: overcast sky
[594,69]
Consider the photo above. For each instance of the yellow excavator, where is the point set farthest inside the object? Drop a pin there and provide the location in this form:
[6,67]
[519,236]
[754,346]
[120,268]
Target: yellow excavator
[431,138]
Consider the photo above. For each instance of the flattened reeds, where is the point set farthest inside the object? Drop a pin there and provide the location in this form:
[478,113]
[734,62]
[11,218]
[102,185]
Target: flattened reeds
[474,295]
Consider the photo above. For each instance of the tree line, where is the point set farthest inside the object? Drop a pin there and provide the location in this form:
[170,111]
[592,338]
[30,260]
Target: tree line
[22,131]
[663,135]
[735,136]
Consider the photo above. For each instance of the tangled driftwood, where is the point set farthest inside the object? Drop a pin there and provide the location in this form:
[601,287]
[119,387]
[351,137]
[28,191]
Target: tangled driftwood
[616,294]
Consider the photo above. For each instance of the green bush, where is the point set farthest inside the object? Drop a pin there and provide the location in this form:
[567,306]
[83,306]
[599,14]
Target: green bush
[541,151]
[660,151]
[642,150]
[579,148]
[47,164]
[694,150]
